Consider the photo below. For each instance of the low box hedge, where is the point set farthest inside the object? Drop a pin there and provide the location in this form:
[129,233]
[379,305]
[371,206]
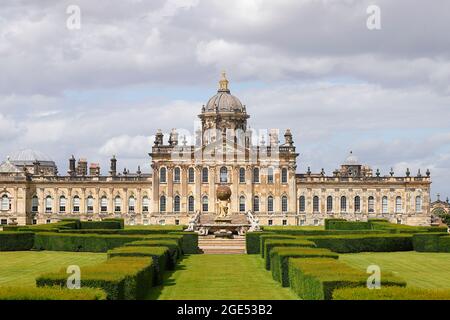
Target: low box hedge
[189,241]
[16,241]
[272,243]
[427,242]
[265,237]
[316,279]
[101,225]
[342,224]
[402,228]
[370,243]
[119,220]
[154,229]
[90,242]
[173,246]
[252,242]
[122,278]
[444,244]
[391,293]
[33,293]
[279,258]
[159,255]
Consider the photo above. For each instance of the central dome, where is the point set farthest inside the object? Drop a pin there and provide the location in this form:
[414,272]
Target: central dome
[223,101]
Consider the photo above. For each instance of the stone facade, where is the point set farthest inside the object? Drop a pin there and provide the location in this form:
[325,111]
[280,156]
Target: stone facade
[262,177]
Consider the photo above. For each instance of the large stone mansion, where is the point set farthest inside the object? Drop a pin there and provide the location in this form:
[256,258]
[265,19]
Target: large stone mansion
[262,177]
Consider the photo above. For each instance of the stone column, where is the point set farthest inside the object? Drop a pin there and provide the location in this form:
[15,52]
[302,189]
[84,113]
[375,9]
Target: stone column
[184,189]
[169,201]
[198,188]
[155,187]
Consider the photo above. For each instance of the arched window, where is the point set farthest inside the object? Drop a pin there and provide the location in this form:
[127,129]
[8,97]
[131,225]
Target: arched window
[241,175]
[131,204]
[302,204]
[205,204]
[241,204]
[76,204]
[357,204]
[176,175]
[371,204]
[5,202]
[418,204]
[62,204]
[270,175]
[117,204]
[34,204]
[398,204]
[176,204]
[223,174]
[191,175]
[329,204]
[162,204]
[104,204]
[205,175]
[145,204]
[284,204]
[316,204]
[191,204]
[384,204]
[163,175]
[255,204]
[90,204]
[284,175]
[48,204]
[343,204]
[270,204]
[256,175]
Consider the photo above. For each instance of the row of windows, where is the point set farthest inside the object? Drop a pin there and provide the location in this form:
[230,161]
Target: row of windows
[205,204]
[357,204]
[223,175]
[76,203]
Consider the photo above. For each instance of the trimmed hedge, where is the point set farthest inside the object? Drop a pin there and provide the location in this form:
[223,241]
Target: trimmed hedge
[342,224]
[189,241]
[159,255]
[360,243]
[16,241]
[427,242]
[152,229]
[391,293]
[172,245]
[279,258]
[122,278]
[119,220]
[402,228]
[100,225]
[265,237]
[49,227]
[316,279]
[89,242]
[272,243]
[32,293]
[252,243]
[444,244]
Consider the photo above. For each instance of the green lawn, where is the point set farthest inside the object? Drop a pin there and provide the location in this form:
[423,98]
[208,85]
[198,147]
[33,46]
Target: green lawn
[419,269]
[221,277]
[20,268]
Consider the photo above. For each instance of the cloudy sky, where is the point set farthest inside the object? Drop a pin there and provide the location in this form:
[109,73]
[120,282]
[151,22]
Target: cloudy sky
[310,65]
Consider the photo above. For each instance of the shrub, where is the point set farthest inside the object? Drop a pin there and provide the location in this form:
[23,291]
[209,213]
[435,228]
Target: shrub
[263,238]
[391,293]
[89,242]
[444,244]
[280,257]
[427,242]
[189,241]
[101,225]
[152,229]
[32,293]
[16,241]
[271,243]
[252,242]
[172,245]
[159,255]
[402,228]
[342,224]
[316,279]
[359,243]
[122,278]
[119,220]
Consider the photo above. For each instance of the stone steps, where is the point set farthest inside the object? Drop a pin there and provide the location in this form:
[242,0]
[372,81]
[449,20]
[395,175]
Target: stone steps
[209,245]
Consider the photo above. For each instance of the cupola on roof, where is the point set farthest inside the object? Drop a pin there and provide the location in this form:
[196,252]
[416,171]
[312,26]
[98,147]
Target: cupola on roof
[223,101]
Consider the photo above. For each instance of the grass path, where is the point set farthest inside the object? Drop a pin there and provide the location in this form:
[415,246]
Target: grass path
[20,268]
[419,269]
[221,277]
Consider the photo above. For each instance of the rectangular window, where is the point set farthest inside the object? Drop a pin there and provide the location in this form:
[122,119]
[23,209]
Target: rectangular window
[177,222]
[4,221]
[302,222]
[284,222]
[49,221]
[34,221]
[270,222]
